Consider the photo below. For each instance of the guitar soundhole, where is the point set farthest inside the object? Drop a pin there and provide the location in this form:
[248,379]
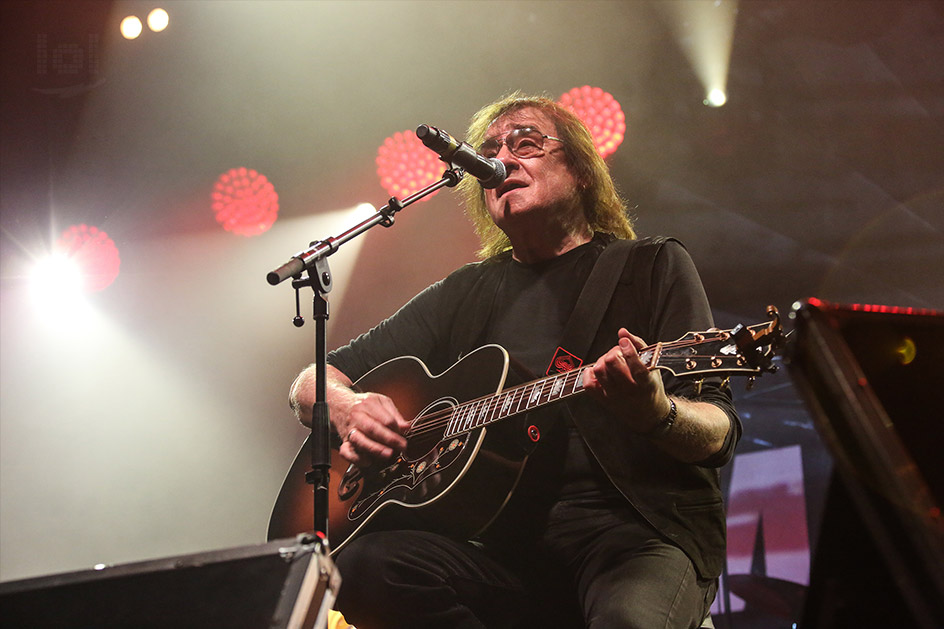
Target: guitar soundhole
[428,428]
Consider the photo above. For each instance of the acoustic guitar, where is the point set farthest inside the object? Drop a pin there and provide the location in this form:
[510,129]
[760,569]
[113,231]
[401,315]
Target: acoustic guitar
[470,438]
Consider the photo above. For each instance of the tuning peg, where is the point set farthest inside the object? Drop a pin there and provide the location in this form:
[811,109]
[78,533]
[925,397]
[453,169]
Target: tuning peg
[750,382]
[697,386]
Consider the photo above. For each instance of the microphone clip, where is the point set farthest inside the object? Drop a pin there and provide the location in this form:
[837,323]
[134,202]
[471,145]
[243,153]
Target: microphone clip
[453,175]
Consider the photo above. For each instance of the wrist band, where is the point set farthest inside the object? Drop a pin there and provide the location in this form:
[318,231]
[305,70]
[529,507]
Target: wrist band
[665,424]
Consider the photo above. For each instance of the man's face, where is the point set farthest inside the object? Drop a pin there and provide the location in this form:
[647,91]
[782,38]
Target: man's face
[536,187]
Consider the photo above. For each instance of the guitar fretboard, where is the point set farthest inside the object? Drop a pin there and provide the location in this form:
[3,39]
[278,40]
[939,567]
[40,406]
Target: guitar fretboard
[477,413]
[520,399]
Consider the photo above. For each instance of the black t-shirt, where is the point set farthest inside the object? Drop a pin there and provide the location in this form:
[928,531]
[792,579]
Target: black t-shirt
[532,307]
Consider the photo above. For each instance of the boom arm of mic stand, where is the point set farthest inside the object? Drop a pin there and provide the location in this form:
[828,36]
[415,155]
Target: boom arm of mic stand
[304,260]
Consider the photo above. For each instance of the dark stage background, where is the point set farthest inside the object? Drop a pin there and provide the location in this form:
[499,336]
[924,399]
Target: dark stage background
[153,420]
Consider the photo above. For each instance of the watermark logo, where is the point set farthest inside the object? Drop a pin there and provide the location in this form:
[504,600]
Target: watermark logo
[67,63]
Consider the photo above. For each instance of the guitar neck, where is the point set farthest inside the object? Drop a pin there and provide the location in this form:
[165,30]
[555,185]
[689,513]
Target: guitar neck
[744,351]
[529,396]
[520,399]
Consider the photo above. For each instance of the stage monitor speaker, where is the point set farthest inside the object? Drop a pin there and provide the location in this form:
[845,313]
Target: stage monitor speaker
[285,583]
[872,377]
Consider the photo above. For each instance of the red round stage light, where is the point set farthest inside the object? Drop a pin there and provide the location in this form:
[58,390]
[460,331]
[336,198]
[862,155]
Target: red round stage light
[405,165]
[245,202]
[601,113]
[93,253]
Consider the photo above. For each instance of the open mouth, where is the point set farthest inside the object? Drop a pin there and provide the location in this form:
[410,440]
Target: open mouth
[507,186]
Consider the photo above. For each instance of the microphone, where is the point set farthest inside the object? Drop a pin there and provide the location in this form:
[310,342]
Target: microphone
[490,172]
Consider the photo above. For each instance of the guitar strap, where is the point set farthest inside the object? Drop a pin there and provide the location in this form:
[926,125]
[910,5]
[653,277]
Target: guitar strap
[594,299]
[584,321]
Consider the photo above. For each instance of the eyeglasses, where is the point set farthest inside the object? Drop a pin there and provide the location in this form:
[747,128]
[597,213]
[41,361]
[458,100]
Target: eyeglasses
[525,143]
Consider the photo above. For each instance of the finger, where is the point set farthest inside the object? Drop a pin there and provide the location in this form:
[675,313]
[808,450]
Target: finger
[593,385]
[380,409]
[373,436]
[361,449]
[599,370]
[637,341]
[349,454]
[349,434]
[377,418]
[360,458]
[397,422]
[630,345]
[617,363]
[626,347]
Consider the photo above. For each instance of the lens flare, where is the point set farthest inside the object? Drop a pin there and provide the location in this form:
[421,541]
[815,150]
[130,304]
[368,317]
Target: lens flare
[131,27]
[94,254]
[245,202]
[158,20]
[601,113]
[405,165]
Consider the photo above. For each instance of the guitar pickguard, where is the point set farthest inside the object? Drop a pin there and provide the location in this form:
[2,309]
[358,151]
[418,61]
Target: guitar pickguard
[412,478]
[403,480]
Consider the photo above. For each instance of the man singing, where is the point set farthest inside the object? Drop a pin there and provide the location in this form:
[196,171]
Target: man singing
[617,519]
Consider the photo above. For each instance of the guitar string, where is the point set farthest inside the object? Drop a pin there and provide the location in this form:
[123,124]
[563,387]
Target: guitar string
[442,418]
[666,349]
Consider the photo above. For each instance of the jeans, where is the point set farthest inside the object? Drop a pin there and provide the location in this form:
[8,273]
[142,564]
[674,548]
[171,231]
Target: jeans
[591,566]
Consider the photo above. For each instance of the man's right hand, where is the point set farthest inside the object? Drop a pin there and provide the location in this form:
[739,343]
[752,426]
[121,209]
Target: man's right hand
[370,426]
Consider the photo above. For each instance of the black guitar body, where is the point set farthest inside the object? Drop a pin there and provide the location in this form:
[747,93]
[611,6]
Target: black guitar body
[434,485]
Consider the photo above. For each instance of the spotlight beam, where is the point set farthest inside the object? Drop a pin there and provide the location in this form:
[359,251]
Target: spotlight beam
[704,31]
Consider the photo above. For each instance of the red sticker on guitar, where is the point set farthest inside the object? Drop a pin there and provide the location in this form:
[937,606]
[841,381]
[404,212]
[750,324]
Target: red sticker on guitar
[563,361]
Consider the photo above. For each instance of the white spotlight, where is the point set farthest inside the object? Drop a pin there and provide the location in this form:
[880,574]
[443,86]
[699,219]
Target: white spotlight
[131,27]
[716,98]
[56,280]
[158,20]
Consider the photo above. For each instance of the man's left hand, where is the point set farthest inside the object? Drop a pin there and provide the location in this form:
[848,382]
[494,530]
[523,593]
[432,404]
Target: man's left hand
[625,386]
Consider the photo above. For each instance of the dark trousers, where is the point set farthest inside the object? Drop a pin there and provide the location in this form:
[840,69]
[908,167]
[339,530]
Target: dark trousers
[589,567]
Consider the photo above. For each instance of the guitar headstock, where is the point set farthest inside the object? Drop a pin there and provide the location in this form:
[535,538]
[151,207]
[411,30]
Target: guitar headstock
[742,350]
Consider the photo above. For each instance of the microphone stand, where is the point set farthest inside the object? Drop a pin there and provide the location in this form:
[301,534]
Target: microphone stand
[313,261]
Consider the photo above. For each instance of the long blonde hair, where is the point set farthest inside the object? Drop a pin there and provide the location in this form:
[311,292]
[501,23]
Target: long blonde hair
[603,208]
